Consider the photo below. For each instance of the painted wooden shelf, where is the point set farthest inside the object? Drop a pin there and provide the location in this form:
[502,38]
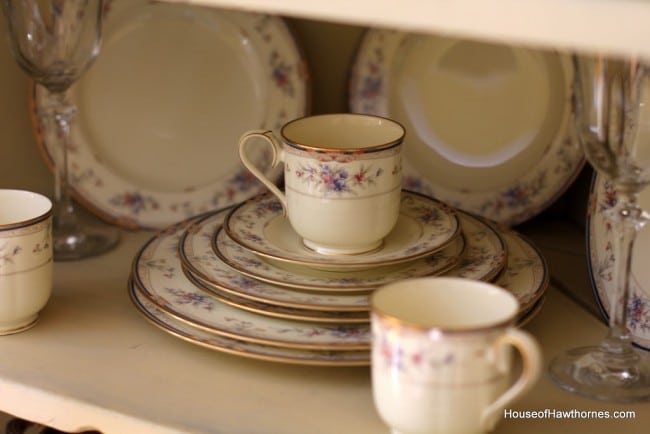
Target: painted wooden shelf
[613,26]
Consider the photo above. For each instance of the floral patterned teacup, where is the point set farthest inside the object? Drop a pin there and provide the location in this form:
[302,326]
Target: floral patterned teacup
[25,258]
[441,355]
[342,178]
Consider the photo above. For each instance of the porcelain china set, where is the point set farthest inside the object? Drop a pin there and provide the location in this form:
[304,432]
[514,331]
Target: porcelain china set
[199,282]
[248,280]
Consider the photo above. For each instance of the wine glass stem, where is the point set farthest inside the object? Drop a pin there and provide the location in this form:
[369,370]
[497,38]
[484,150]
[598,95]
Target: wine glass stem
[628,218]
[62,114]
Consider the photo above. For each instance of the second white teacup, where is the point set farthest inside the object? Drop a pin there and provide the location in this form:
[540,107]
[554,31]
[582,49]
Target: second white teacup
[441,359]
[26,266]
[342,178]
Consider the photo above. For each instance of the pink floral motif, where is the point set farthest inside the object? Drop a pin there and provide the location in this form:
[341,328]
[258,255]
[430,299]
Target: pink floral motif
[638,314]
[331,178]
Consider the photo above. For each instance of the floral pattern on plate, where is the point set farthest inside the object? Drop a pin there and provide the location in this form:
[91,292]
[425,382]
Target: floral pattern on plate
[262,50]
[199,258]
[602,260]
[307,278]
[486,252]
[375,80]
[424,227]
[526,273]
[484,257]
[268,309]
[158,274]
[252,350]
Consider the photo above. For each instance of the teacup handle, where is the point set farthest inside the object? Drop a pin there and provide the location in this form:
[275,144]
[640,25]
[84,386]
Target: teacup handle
[532,368]
[278,155]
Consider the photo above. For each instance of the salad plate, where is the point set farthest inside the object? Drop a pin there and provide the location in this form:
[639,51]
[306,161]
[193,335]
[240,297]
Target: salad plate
[268,309]
[307,278]
[252,350]
[424,226]
[489,125]
[158,275]
[162,108]
[486,252]
[200,260]
[602,258]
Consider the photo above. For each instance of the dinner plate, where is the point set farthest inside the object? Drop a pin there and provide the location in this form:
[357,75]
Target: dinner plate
[484,257]
[524,318]
[252,350]
[601,239]
[308,278]
[424,226]
[158,275]
[489,126]
[162,108]
[526,273]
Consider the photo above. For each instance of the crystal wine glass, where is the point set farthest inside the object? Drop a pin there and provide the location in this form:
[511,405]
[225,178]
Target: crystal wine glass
[54,42]
[612,103]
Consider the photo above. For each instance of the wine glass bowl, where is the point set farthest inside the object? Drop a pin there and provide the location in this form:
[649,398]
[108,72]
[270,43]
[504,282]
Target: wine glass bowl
[612,112]
[55,42]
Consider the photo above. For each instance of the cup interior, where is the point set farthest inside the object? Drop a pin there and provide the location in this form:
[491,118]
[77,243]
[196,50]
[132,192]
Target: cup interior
[448,304]
[343,131]
[20,206]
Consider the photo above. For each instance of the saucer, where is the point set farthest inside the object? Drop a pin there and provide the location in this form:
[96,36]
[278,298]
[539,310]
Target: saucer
[307,278]
[424,226]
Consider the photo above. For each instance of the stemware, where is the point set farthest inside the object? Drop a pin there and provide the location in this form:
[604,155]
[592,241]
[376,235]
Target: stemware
[54,42]
[611,105]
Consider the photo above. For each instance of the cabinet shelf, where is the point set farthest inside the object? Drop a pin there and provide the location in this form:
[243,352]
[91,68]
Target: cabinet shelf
[617,27]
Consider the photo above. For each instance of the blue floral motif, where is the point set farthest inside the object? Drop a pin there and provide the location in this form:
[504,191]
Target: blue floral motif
[193,298]
[331,178]
[638,314]
[7,254]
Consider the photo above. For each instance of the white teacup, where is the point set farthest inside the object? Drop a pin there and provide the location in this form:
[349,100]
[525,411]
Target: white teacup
[342,178]
[25,258]
[441,355]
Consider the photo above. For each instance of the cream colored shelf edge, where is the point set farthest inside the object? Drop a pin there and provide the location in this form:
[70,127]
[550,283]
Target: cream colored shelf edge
[618,27]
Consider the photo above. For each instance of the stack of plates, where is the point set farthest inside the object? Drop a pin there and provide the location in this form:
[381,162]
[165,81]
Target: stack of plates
[239,280]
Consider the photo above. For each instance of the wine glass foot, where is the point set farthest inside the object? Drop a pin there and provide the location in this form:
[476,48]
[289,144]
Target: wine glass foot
[584,371]
[83,242]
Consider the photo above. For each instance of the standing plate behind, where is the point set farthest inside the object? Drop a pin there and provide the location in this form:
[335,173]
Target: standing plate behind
[161,110]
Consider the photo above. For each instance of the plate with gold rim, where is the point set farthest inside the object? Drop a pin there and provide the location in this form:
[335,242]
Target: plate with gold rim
[490,125]
[187,332]
[272,310]
[175,83]
[199,259]
[526,273]
[158,274]
[424,226]
[307,278]
[486,253]
[483,259]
